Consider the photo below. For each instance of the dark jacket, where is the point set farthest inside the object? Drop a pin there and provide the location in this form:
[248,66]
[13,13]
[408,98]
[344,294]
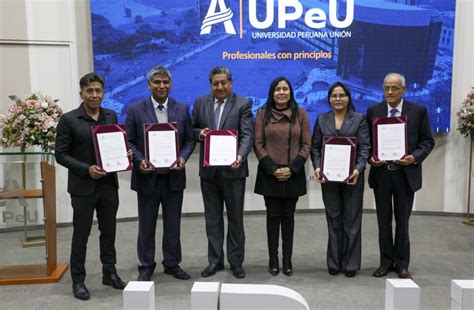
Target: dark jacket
[354,125]
[143,112]
[75,149]
[237,115]
[419,137]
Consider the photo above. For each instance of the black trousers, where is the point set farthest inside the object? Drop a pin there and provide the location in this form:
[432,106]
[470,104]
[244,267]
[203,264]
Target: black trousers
[280,213]
[148,205]
[343,205]
[393,192]
[215,192]
[105,202]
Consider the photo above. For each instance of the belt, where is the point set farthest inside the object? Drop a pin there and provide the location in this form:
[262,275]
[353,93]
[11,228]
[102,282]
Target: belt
[392,166]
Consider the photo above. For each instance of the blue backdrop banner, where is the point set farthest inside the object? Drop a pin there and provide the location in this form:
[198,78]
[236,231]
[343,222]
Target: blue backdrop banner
[312,43]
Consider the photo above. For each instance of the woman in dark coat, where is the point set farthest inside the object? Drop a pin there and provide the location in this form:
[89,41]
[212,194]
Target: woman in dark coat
[342,201]
[282,145]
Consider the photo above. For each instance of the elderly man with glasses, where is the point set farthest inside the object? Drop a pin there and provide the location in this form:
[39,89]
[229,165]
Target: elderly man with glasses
[396,182]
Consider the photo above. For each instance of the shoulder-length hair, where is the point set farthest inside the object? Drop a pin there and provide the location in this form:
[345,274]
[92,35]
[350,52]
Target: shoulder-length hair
[347,91]
[270,104]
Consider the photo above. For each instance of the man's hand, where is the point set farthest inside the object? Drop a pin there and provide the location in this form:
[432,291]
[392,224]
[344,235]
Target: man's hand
[353,178]
[130,154]
[145,167]
[376,163]
[237,163]
[179,165]
[203,133]
[406,161]
[95,172]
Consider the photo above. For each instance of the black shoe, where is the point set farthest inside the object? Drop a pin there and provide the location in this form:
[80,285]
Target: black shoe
[287,267]
[113,280]
[144,276]
[211,270]
[350,273]
[238,272]
[404,274]
[80,291]
[177,272]
[273,266]
[333,272]
[381,271]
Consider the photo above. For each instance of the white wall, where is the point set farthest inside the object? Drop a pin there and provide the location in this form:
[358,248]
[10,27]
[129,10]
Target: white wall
[46,45]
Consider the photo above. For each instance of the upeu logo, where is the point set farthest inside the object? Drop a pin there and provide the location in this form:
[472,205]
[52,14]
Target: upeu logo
[223,16]
[288,10]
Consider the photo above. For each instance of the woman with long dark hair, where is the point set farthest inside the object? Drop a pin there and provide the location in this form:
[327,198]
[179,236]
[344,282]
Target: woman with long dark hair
[342,201]
[282,145]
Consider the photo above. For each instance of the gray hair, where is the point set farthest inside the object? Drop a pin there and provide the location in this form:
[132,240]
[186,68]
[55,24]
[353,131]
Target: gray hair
[158,70]
[220,70]
[396,75]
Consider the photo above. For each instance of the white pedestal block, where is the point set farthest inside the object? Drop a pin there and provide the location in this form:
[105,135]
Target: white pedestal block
[260,297]
[402,294]
[462,294]
[139,295]
[205,296]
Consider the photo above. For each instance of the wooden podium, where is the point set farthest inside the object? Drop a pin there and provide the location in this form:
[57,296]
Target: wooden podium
[50,271]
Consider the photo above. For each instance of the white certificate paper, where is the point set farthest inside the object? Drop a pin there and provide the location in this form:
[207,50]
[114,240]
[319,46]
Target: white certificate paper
[222,150]
[391,141]
[337,160]
[162,148]
[113,151]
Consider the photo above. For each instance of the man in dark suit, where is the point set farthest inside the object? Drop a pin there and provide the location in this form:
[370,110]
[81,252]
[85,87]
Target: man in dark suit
[162,185]
[398,181]
[89,186]
[223,109]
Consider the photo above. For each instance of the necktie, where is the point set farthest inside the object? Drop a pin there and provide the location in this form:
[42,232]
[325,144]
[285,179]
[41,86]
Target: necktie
[161,107]
[393,112]
[217,114]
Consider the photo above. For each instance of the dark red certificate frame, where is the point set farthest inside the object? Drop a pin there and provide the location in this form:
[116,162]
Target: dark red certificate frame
[160,127]
[384,121]
[207,144]
[105,129]
[352,142]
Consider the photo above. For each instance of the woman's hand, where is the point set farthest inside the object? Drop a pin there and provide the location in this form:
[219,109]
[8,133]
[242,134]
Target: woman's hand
[282,174]
[317,172]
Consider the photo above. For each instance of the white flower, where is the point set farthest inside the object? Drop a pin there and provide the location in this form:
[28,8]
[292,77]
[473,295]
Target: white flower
[44,104]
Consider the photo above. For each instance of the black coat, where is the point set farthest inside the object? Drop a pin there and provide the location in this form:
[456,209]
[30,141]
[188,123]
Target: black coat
[75,149]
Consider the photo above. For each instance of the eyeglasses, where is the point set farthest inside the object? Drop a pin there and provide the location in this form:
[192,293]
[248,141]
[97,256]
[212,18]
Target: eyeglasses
[394,89]
[338,96]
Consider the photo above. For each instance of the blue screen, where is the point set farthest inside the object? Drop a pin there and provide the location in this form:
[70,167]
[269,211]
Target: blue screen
[312,43]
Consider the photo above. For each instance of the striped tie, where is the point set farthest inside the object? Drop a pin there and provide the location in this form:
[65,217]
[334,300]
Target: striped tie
[217,114]
[393,112]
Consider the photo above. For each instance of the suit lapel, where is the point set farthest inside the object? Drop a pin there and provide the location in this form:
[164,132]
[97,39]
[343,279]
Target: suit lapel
[228,106]
[171,110]
[149,110]
[346,123]
[405,108]
[382,110]
[210,112]
[330,123]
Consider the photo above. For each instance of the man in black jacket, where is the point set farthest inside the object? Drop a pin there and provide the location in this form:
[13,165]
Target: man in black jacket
[90,187]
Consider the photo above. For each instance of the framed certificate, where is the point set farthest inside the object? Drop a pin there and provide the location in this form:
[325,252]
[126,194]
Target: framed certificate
[389,138]
[161,144]
[338,158]
[111,147]
[220,148]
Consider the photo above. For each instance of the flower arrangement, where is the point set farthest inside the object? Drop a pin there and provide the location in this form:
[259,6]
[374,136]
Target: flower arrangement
[465,116]
[31,121]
